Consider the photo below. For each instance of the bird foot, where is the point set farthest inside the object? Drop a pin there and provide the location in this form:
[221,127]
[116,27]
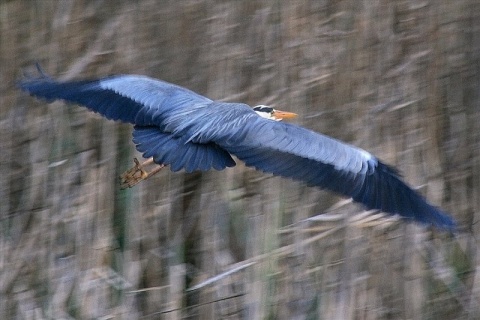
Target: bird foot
[135,175]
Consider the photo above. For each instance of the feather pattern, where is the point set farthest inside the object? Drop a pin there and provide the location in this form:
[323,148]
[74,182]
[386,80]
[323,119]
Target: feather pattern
[169,150]
[180,128]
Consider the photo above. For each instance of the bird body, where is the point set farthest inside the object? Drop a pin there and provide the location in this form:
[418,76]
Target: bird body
[182,129]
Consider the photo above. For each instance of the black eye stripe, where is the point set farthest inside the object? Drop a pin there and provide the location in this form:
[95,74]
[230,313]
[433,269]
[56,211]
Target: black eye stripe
[264,109]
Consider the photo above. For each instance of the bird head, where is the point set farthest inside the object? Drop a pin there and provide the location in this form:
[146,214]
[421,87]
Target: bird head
[273,114]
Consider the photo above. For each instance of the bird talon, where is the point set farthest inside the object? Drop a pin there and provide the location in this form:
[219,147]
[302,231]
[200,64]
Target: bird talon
[134,175]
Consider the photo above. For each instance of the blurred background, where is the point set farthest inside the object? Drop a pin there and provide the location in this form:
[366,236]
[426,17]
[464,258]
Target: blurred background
[400,79]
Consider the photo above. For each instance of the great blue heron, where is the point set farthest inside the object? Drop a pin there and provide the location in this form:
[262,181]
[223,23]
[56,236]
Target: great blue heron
[177,127]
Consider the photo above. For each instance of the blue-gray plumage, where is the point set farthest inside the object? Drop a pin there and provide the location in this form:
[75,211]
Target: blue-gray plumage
[184,130]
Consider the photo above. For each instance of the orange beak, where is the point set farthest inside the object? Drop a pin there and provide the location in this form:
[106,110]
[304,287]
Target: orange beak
[284,115]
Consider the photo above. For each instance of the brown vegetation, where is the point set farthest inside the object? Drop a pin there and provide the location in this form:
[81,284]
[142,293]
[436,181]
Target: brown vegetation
[398,78]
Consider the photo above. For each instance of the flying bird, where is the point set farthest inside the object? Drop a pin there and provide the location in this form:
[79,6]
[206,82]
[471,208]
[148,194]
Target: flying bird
[177,127]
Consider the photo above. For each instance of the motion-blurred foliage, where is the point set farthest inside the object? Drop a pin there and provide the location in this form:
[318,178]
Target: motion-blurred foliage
[398,78]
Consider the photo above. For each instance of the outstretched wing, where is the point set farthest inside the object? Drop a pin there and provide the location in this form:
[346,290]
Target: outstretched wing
[291,151]
[129,98]
[185,119]
[157,108]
